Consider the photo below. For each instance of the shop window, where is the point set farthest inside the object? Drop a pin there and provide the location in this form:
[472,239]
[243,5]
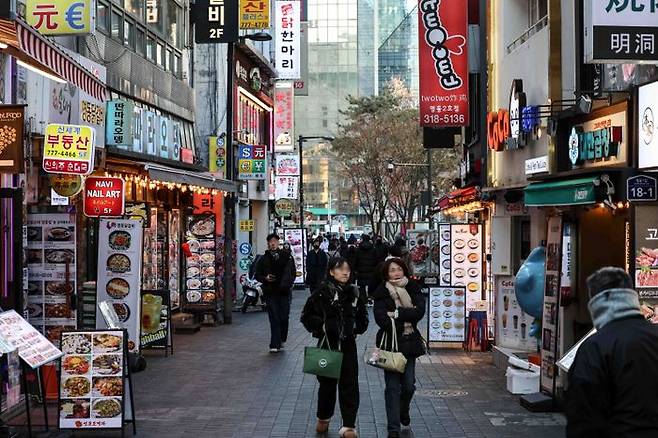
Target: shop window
[159,55]
[521,244]
[177,65]
[140,41]
[155,15]
[103,16]
[117,25]
[168,58]
[136,8]
[129,34]
[150,49]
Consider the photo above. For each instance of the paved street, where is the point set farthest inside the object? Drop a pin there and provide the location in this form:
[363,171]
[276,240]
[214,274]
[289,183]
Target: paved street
[222,382]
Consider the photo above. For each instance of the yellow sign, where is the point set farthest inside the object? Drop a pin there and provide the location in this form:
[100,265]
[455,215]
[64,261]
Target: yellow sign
[254,14]
[217,156]
[68,149]
[247,225]
[66,185]
[60,17]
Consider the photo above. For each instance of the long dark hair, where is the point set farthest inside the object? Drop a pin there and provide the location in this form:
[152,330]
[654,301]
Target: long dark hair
[337,262]
[397,261]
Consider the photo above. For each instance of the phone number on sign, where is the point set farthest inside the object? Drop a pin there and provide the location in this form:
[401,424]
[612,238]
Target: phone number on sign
[444,118]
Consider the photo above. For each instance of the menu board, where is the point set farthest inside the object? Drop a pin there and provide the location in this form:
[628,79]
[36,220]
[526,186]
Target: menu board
[32,346]
[119,270]
[297,240]
[155,318]
[646,259]
[512,323]
[92,380]
[447,315]
[200,266]
[424,252]
[461,260]
[174,258]
[51,258]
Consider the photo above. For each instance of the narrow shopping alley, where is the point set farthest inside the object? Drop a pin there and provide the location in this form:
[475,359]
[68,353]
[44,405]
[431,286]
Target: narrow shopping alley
[223,382]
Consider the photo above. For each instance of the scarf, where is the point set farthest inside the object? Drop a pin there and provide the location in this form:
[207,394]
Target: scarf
[396,288]
[613,304]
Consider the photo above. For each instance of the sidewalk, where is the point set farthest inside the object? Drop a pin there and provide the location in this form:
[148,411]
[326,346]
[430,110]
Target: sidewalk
[223,382]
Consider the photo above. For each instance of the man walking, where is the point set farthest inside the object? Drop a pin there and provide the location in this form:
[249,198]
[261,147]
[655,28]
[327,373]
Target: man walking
[276,272]
[316,265]
[613,382]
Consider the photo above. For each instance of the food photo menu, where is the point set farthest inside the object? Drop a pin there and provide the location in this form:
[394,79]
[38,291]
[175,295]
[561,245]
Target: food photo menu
[447,314]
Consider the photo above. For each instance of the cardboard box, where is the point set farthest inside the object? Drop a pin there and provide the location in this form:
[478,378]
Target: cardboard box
[522,381]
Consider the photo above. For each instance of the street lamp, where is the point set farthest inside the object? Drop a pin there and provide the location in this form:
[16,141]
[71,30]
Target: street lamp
[229,221]
[301,139]
[392,165]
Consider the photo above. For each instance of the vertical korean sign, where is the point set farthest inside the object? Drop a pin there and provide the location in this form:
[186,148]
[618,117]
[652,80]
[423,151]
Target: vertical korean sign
[118,126]
[215,21]
[217,156]
[60,17]
[254,14]
[288,34]
[551,304]
[443,62]
[284,120]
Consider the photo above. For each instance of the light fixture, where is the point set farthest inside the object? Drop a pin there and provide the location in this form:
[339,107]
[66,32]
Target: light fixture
[41,72]
[258,36]
[3,46]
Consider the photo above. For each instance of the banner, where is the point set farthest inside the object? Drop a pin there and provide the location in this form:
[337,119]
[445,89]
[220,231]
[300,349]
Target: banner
[287,187]
[296,237]
[443,63]
[254,14]
[217,156]
[646,126]
[284,117]
[287,165]
[11,138]
[60,17]
[288,35]
[215,21]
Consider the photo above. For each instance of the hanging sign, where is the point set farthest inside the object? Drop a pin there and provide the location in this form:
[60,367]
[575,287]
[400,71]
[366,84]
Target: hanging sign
[11,138]
[215,21]
[642,188]
[284,120]
[287,165]
[284,207]
[247,226]
[254,14]
[118,127]
[286,187]
[69,149]
[104,196]
[217,156]
[647,103]
[287,28]
[60,17]
[443,63]
[65,185]
[252,162]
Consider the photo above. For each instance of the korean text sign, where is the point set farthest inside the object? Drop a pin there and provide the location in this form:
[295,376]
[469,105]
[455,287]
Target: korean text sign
[443,62]
[104,196]
[254,14]
[61,17]
[69,149]
[118,128]
[288,36]
[252,161]
[215,21]
[620,31]
[284,120]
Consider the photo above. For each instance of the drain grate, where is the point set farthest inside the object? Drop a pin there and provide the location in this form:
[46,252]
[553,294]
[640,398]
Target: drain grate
[441,393]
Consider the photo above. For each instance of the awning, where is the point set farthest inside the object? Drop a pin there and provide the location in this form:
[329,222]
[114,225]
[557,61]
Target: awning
[180,176]
[580,191]
[29,46]
[321,211]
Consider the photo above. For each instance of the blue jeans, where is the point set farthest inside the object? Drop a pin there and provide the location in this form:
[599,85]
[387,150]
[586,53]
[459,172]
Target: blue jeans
[278,311]
[400,389]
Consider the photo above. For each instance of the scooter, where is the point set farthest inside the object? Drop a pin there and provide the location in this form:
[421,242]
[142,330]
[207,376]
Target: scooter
[252,290]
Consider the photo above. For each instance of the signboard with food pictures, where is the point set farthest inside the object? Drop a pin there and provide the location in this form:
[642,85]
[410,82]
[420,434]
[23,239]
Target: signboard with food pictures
[51,264]
[32,346]
[512,324]
[447,314]
[92,385]
[174,225]
[156,310]
[297,240]
[461,259]
[200,263]
[423,251]
[646,260]
[119,273]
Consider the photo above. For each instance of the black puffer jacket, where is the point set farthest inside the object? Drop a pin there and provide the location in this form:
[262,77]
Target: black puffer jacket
[613,382]
[365,263]
[413,345]
[282,266]
[341,310]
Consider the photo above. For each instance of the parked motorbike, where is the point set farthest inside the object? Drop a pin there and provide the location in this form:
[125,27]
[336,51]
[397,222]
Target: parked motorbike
[252,291]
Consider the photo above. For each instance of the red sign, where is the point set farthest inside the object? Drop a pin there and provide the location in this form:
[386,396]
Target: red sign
[104,196]
[498,129]
[443,62]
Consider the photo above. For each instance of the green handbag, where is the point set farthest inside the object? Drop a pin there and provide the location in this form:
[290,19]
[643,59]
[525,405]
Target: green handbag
[323,362]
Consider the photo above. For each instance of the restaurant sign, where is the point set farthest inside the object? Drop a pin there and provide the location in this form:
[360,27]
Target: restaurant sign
[65,185]
[597,143]
[511,129]
[69,149]
[61,17]
[119,123]
[11,138]
[254,14]
[104,196]
[215,21]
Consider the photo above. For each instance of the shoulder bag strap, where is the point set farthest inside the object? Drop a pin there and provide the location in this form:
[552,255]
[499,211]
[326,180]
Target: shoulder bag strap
[394,336]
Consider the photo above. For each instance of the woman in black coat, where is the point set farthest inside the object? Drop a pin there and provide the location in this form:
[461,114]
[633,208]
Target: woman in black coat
[399,305]
[338,311]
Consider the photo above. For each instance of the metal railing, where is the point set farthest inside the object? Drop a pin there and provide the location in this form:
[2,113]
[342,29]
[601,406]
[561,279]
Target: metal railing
[542,23]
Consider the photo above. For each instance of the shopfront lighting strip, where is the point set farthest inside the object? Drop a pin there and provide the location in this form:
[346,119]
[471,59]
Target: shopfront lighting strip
[144,181]
[460,210]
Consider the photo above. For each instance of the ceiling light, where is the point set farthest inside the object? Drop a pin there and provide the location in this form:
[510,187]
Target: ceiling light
[50,76]
[3,46]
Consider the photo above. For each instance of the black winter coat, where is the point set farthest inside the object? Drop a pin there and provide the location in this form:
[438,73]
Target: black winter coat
[344,317]
[613,383]
[412,346]
[316,267]
[282,267]
[365,263]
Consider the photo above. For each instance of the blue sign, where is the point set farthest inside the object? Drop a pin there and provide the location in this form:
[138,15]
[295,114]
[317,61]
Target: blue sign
[245,248]
[642,188]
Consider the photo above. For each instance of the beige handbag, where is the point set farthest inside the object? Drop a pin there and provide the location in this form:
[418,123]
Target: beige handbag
[387,360]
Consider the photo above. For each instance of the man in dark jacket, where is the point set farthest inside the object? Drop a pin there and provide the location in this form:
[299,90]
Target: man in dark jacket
[316,265]
[613,382]
[365,264]
[381,249]
[276,271]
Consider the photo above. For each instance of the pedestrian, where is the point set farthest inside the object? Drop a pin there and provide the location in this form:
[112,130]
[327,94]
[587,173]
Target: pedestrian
[316,265]
[381,249]
[365,264]
[343,247]
[613,382]
[401,301]
[337,310]
[334,249]
[276,271]
[352,240]
[324,244]
[401,251]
